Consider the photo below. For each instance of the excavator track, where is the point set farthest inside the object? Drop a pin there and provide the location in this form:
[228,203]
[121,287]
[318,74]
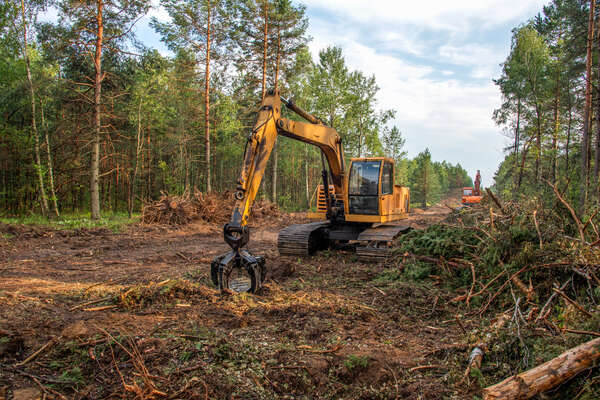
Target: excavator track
[374,244]
[302,239]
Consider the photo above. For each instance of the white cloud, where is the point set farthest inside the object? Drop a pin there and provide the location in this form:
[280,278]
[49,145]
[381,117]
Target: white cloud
[434,14]
[448,111]
[158,11]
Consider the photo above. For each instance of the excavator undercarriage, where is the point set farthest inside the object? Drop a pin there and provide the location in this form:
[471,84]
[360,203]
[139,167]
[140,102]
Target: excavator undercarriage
[371,243]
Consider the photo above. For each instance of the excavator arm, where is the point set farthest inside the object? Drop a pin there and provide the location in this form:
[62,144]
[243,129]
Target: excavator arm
[261,141]
[268,126]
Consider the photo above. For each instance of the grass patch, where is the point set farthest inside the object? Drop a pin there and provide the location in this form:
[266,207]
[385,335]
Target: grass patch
[112,221]
[354,362]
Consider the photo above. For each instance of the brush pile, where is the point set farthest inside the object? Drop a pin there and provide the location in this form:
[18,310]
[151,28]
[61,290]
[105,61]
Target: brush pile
[536,265]
[212,208]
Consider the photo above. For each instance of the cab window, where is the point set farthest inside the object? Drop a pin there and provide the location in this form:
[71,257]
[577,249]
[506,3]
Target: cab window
[363,187]
[467,192]
[387,178]
[364,178]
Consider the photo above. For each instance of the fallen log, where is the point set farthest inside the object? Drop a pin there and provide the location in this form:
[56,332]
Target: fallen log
[546,376]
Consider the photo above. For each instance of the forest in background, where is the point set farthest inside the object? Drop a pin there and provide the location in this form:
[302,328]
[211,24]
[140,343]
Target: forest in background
[550,84]
[92,120]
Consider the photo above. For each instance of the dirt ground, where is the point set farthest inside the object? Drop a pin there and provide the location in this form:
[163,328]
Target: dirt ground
[133,315]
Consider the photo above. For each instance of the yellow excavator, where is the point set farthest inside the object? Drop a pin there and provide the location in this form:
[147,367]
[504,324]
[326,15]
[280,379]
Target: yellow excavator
[361,207]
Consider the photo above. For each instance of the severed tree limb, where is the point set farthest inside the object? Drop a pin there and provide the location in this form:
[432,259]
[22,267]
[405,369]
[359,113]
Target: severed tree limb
[571,210]
[546,376]
[495,199]
[89,303]
[572,302]
[582,332]
[552,296]
[38,352]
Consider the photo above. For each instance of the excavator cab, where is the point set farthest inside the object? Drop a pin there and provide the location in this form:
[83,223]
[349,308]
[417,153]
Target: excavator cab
[372,196]
[364,187]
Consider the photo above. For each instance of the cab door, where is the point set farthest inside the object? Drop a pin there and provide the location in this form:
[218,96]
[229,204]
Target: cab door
[363,187]
[387,189]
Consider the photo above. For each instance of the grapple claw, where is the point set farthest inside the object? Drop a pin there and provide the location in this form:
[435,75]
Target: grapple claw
[238,271]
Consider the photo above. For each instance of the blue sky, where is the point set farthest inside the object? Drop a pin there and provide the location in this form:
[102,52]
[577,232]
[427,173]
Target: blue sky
[433,60]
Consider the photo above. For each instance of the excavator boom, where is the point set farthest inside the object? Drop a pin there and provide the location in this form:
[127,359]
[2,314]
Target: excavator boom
[269,124]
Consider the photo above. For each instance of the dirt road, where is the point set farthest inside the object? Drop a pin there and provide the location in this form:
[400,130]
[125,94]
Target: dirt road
[324,327]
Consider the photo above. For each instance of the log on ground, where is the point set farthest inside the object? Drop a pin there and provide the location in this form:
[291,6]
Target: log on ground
[548,375]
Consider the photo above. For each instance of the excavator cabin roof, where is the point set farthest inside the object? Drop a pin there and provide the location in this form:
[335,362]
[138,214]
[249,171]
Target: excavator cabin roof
[388,159]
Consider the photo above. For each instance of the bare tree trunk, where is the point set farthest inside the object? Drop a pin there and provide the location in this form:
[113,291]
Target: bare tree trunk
[138,151]
[555,136]
[306,175]
[517,131]
[522,166]
[277,60]
[207,101]
[569,125]
[265,45]
[538,136]
[588,105]
[275,146]
[38,163]
[50,167]
[95,167]
[597,146]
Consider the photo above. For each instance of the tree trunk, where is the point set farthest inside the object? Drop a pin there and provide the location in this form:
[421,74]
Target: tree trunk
[275,173]
[50,167]
[597,146]
[538,136]
[306,161]
[548,375]
[555,135]
[275,146]
[277,60]
[588,105]
[425,187]
[207,101]
[34,130]
[138,151]
[569,125]
[517,129]
[522,166]
[265,45]
[95,167]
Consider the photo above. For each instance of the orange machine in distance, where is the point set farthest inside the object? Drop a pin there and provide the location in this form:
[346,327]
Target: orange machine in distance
[472,195]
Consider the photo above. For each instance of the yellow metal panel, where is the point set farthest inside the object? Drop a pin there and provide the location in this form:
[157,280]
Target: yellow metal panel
[316,215]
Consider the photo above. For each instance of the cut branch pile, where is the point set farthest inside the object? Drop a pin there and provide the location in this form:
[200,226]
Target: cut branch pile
[169,210]
[538,263]
[211,208]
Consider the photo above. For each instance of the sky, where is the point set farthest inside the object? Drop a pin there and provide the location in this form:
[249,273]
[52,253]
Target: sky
[434,62]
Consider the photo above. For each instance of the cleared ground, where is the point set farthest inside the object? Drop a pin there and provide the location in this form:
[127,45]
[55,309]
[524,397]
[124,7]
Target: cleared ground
[324,327]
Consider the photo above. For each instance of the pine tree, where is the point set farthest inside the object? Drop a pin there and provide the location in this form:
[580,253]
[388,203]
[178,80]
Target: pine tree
[200,27]
[97,26]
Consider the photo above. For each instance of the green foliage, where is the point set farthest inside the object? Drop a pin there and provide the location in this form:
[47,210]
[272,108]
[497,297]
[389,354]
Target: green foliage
[153,106]
[354,362]
[542,84]
[113,221]
[439,241]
